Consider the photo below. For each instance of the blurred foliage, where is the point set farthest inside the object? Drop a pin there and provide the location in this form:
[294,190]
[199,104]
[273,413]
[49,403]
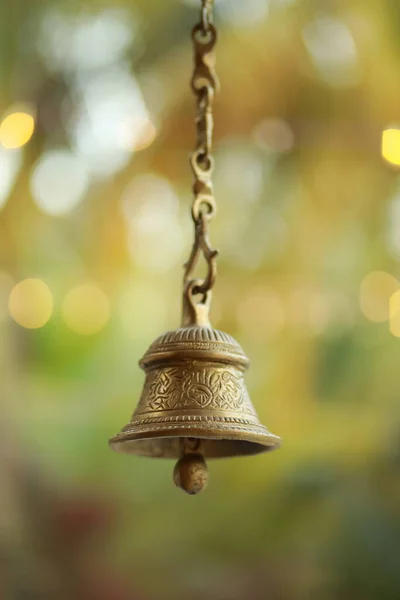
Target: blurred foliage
[307,208]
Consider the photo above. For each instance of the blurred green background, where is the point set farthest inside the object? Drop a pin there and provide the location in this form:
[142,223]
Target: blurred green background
[96,127]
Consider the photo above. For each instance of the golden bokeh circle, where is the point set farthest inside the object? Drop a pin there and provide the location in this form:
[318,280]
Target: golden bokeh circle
[86,309]
[16,130]
[375,292]
[31,303]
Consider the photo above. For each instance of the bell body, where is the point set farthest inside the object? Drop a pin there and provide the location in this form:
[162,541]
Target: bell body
[194,400]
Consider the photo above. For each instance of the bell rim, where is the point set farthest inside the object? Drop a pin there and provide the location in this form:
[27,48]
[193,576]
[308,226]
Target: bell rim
[261,441]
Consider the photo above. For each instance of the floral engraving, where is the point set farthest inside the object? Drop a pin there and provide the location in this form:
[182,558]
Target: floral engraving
[193,388]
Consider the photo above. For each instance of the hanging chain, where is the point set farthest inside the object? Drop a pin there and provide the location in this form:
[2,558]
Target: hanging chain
[204,85]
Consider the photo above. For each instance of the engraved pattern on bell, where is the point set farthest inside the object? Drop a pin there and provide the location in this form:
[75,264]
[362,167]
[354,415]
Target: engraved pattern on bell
[200,386]
[161,391]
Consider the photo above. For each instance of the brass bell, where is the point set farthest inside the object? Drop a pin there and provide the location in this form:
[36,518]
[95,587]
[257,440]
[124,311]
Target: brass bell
[194,403]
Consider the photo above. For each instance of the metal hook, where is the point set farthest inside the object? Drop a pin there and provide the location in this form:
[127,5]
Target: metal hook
[202,245]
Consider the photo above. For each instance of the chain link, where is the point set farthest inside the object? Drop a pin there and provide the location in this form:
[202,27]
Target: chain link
[206,13]
[204,85]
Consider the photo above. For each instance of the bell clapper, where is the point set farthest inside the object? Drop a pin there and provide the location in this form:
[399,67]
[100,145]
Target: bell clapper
[191,474]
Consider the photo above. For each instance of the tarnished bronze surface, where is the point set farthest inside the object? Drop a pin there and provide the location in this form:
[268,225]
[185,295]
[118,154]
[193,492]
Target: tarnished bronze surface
[194,388]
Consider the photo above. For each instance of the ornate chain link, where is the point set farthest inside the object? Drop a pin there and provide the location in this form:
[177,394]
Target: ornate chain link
[204,85]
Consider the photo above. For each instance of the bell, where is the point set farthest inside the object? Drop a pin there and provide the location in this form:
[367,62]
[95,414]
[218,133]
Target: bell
[194,403]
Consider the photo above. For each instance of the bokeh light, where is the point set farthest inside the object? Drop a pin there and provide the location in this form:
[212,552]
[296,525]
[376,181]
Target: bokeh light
[375,292]
[59,182]
[137,134]
[333,51]
[391,146]
[149,203]
[395,314]
[86,309]
[10,164]
[86,41]
[239,172]
[151,210]
[107,100]
[16,130]
[274,135]
[244,14]
[91,49]
[156,92]
[31,303]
